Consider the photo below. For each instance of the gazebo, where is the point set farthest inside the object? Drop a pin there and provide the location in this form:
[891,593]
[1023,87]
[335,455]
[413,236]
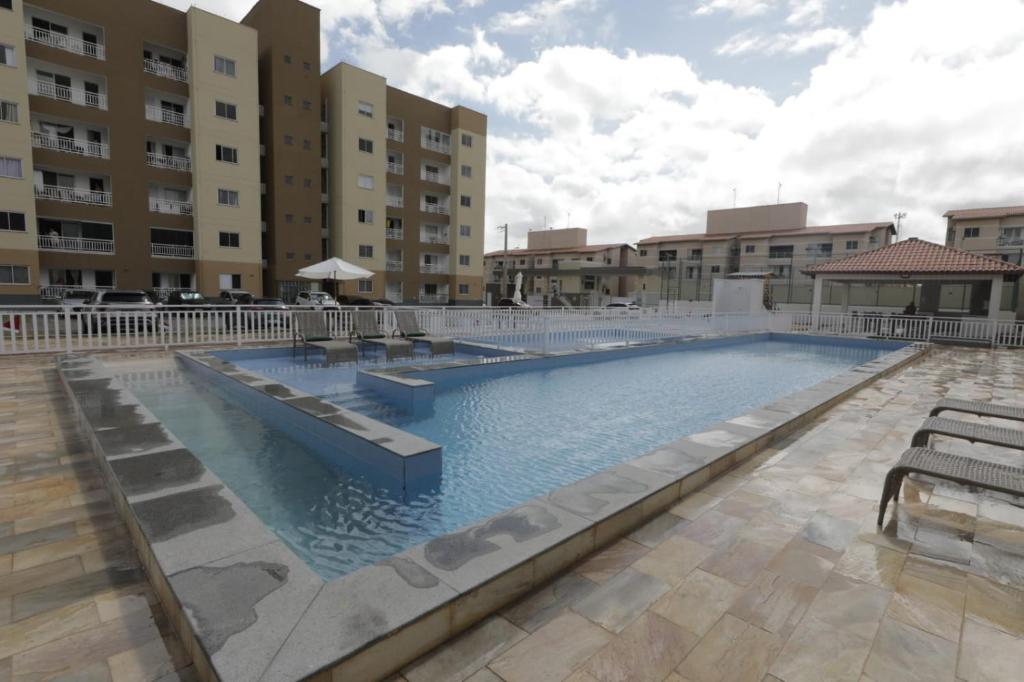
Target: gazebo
[915,261]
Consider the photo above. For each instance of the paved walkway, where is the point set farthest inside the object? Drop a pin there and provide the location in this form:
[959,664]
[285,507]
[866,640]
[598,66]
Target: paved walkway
[775,570]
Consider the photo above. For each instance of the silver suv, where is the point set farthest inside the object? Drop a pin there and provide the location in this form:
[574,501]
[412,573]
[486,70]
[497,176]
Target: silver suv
[318,299]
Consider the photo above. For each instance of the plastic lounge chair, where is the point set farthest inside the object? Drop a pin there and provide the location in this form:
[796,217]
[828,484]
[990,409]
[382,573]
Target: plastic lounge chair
[311,330]
[980,408]
[976,433]
[409,328]
[978,473]
[365,329]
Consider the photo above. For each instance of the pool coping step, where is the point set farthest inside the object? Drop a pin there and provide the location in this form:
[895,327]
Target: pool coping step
[248,608]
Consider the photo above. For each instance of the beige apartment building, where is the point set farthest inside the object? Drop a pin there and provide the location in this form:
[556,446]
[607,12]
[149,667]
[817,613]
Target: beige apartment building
[997,232]
[560,268]
[146,148]
[771,239]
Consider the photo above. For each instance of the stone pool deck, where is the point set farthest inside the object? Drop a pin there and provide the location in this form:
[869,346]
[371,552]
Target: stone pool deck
[775,569]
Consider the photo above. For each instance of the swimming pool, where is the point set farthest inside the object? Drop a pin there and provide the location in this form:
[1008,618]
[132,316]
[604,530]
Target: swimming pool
[506,437]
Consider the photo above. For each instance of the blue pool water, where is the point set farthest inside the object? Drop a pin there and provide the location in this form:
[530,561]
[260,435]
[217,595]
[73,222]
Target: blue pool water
[505,438]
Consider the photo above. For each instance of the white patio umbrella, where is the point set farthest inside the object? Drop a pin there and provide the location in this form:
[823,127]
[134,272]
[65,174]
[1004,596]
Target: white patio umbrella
[334,269]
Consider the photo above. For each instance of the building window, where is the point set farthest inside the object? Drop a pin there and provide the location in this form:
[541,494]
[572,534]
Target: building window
[366,286]
[366,109]
[365,216]
[12,222]
[289,179]
[287,100]
[6,55]
[467,171]
[852,244]
[307,105]
[467,140]
[366,251]
[308,220]
[668,255]
[227,197]
[229,240]
[224,65]
[227,154]
[9,112]
[14,274]
[306,144]
[365,145]
[971,232]
[289,140]
[463,259]
[287,59]
[464,230]
[643,252]
[225,110]
[230,281]
[6,4]
[465,201]
[749,248]
[307,66]
[365,181]
[10,167]
[715,269]
[289,217]
[463,290]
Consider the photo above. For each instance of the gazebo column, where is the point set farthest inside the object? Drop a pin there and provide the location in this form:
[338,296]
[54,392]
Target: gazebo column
[816,301]
[844,295]
[995,298]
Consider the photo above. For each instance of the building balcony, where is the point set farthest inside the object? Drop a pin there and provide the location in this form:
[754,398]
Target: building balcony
[172,251]
[394,266]
[170,206]
[169,116]
[439,209]
[164,70]
[70,145]
[787,255]
[73,195]
[396,168]
[435,146]
[433,299]
[1008,240]
[393,233]
[394,202]
[434,268]
[396,135]
[62,41]
[57,290]
[63,93]
[432,176]
[428,238]
[178,163]
[77,244]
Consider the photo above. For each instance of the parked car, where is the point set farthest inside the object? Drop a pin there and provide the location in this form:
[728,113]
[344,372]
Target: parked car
[234,297]
[511,303]
[136,315]
[623,304]
[319,299]
[72,298]
[186,298]
[369,302]
[251,317]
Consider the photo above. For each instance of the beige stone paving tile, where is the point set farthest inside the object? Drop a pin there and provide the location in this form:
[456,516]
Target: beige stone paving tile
[744,504]
[151,661]
[548,602]
[741,563]
[942,573]
[723,485]
[6,562]
[61,549]
[817,651]
[673,559]
[483,675]
[553,652]
[459,658]
[928,606]
[732,651]
[648,649]
[611,560]
[46,627]
[699,601]
[995,605]
[774,603]
[40,576]
[580,675]
[803,563]
[695,504]
[989,655]
[714,529]
[62,515]
[123,602]
[850,605]
[871,564]
[902,653]
[13,513]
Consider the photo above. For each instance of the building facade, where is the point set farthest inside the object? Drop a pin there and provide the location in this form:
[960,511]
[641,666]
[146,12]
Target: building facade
[146,148]
[997,232]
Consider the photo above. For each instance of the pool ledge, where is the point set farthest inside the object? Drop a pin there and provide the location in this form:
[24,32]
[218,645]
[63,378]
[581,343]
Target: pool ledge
[250,609]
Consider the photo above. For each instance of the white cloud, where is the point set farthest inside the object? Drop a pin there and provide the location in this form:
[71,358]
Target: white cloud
[737,8]
[549,17]
[799,42]
[806,12]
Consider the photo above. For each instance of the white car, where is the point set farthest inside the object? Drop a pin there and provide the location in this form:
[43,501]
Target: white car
[318,299]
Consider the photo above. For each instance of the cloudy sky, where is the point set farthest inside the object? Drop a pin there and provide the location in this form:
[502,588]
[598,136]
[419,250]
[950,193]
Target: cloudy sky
[634,117]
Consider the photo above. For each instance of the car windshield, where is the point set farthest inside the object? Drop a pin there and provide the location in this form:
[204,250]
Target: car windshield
[191,296]
[319,297]
[125,297]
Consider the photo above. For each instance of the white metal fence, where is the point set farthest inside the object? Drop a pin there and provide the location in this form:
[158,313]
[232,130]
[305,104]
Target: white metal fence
[40,329]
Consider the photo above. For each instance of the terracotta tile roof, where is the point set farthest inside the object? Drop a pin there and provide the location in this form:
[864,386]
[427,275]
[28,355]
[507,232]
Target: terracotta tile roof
[849,228]
[694,237]
[998,212]
[594,248]
[915,256]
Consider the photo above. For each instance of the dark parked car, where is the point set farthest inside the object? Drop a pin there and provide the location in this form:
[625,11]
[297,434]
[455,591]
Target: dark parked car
[186,298]
[511,303]
[252,317]
[234,297]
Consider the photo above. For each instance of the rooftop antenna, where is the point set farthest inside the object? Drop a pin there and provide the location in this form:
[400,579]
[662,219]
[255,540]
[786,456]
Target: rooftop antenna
[734,197]
[778,195]
[899,216]
[568,219]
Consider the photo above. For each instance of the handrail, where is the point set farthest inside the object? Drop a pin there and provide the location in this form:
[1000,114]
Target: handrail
[51,242]
[180,163]
[172,250]
[63,41]
[159,68]
[64,93]
[158,205]
[70,145]
[73,195]
[161,115]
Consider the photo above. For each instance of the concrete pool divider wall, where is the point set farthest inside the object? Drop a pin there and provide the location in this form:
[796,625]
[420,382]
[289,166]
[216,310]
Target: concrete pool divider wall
[259,613]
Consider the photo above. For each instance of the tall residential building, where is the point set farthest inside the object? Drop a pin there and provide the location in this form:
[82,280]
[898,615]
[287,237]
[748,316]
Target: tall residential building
[142,147]
[997,232]
[129,142]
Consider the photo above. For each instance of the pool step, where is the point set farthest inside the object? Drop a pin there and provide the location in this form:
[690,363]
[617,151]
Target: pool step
[366,403]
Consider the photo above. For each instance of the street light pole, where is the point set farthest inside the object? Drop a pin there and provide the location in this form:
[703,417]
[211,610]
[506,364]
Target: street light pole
[899,219]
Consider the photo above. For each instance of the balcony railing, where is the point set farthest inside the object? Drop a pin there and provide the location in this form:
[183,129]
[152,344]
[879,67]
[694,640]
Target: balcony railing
[780,254]
[170,206]
[169,116]
[396,168]
[57,243]
[394,202]
[64,93]
[65,42]
[433,238]
[436,146]
[179,163]
[434,208]
[434,268]
[73,195]
[57,290]
[70,145]
[159,68]
[396,135]
[432,176]
[439,299]
[1008,240]
[394,266]
[172,250]
[393,233]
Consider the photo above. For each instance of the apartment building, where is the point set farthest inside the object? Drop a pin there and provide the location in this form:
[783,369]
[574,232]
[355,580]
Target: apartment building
[144,147]
[997,232]
[763,239]
[129,140]
[560,268]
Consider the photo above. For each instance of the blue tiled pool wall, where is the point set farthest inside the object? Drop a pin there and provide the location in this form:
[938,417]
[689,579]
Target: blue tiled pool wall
[535,340]
[335,447]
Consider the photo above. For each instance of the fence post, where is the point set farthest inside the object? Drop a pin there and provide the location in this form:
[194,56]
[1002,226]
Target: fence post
[67,329]
[995,330]
[544,328]
[238,325]
[928,332]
